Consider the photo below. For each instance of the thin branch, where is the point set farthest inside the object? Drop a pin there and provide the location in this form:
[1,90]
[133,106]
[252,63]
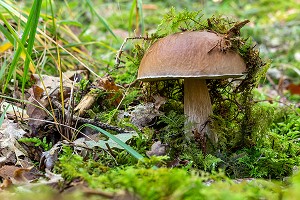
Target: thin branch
[120,51]
[91,121]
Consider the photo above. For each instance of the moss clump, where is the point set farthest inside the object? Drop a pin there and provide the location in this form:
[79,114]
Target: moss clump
[166,183]
[275,149]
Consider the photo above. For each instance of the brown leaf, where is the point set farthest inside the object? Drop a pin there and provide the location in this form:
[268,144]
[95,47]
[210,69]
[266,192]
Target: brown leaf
[52,83]
[107,83]
[7,171]
[294,89]
[17,175]
[34,110]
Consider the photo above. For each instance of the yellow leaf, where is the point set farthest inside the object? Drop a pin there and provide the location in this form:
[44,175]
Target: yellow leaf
[7,45]
[4,47]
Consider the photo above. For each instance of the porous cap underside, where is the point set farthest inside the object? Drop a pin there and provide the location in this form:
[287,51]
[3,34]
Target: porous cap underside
[191,54]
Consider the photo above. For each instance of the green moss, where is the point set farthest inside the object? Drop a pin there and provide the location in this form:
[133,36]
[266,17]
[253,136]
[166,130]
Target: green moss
[165,183]
[37,142]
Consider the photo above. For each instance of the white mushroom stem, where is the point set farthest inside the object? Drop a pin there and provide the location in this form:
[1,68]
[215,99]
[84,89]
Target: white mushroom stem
[197,104]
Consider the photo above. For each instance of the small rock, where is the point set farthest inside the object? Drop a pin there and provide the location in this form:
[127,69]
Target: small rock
[157,149]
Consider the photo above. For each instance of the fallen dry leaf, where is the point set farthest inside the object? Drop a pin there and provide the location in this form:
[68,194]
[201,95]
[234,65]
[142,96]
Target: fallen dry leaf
[79,74]
[159,101]
[49,158]
[7,171]
[10,149]
[106,84]
[293,88]
[52,177]
[13,111]
[52,84]
[34,110]
[18,175]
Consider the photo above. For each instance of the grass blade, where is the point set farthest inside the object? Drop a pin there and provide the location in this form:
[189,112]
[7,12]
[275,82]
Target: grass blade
[141,17]
[2,71]
[137,5]
[6,34]
[15,36]
[130,150]
[31,25]
[131,15]
[17,53]
[102,20]
[24,20]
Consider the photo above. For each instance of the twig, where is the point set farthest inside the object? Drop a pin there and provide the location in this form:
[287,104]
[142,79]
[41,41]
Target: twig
[99,124]
[91,121]
[119,53]
[130,84]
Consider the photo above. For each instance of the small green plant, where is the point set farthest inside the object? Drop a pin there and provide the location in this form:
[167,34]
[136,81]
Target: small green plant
[71,165]
[38,142]
[83,84]
[173,125]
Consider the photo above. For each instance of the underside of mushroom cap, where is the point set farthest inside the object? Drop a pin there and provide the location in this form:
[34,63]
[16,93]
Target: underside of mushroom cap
[190,54]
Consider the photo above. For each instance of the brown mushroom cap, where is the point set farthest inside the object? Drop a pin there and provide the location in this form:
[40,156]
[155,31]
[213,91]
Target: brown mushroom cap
[190,54]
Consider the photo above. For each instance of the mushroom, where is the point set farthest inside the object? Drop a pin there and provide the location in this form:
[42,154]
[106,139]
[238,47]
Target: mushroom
[193,56]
